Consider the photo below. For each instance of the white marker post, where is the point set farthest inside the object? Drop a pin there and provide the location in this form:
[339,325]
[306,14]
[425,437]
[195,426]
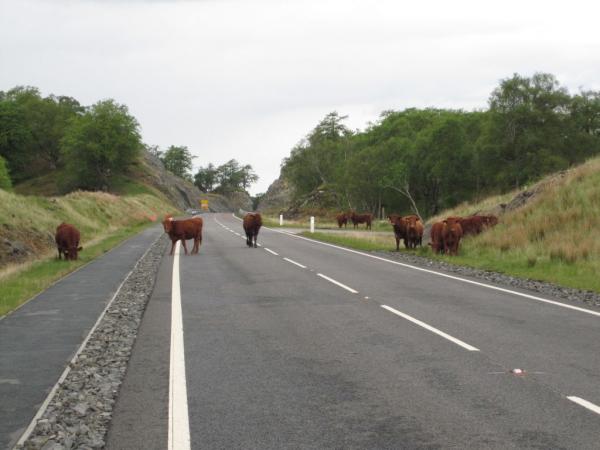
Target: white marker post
[312,224]
[280,220]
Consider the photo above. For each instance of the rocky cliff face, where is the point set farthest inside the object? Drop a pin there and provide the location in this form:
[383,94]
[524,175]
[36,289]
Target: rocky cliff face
[179,191]
[277,198]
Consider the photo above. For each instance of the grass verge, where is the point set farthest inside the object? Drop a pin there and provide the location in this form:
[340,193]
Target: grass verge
[19,287]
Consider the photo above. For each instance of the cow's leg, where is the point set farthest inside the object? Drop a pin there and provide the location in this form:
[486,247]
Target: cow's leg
[172,247]
[255,238]
[397,243]
[184,246]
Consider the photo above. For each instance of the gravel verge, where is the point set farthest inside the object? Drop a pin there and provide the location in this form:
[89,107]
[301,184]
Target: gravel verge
[79,413]
[548,289]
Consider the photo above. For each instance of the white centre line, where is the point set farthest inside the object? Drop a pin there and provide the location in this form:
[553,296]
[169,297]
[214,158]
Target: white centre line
[432,329]
[271,251]
[179,427]
[337,283]
[585,404]
[294,262]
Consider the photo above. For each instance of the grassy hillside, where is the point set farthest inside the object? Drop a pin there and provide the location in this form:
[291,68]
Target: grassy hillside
[554,236]
[28,224]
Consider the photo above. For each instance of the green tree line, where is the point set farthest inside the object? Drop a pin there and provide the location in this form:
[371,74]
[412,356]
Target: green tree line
[429,159]
[88,145]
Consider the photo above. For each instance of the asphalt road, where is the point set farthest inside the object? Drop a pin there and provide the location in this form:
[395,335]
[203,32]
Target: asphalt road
[39,339]
[301,345]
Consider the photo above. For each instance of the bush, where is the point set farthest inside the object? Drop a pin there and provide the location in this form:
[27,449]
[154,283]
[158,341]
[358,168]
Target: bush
[5,182]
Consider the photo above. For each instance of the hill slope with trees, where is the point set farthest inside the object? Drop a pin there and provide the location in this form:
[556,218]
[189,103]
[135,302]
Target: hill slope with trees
[430,159]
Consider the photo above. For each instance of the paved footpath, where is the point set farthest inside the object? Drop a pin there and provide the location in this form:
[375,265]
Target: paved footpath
[38,340]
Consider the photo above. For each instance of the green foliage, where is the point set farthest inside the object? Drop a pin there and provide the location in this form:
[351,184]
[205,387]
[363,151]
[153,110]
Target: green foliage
[5,182]
[31,128]
[228,177]
[178,160]
[423,161]
[100,144]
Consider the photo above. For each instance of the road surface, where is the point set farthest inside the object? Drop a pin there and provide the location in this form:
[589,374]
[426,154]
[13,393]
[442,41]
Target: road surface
[298,344]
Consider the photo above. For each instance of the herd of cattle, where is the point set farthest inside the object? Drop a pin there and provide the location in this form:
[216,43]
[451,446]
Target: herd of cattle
[445,235]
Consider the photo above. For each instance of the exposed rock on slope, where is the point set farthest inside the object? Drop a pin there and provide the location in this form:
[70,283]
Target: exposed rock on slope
[180,192]
[277,198]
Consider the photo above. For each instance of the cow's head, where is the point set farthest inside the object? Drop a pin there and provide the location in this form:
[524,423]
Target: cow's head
[168,223]
[72,253]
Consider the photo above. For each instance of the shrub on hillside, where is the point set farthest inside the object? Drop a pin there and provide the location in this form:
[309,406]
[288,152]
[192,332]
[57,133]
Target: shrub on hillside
[5,182]
[98,145]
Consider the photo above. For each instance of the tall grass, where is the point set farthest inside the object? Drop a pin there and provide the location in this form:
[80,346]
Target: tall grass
[103,220]
[555,237]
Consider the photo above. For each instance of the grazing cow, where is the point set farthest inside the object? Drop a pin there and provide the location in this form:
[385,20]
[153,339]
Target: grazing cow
[399,231]
[342,219]
[472,225]
[490,221]
[437,237]
[451,235]
[414,231]
[252,223]
[361,218]
[181,230]
[67,241]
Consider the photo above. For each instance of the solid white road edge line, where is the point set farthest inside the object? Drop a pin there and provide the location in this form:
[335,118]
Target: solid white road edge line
[432,329]
[452,277]
[179,427]
[331,280]
[63,376]
[271,251]
[585,404]
[294,262]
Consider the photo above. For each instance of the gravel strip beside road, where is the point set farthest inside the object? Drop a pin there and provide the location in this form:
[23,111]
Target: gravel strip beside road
[79,414]
[549,289]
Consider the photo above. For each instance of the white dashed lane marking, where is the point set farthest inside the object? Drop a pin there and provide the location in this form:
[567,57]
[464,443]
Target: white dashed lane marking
[432,329]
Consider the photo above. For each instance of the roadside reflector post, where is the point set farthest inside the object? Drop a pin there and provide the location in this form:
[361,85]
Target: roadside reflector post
[280,220]
[312,224]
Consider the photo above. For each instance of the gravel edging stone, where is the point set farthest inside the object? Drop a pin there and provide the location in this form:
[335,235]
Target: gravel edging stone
[79,414]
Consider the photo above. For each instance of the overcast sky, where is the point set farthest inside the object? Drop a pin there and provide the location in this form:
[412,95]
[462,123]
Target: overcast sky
[249,79]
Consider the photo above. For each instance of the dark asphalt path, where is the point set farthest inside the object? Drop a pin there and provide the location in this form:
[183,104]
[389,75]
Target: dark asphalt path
[38,340]
[278,357]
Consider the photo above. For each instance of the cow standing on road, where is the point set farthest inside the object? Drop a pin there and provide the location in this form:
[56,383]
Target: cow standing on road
[67,241]
[181,230]
[252,223]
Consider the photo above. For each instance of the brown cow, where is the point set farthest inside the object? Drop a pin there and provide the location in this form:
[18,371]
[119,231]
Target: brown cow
[399,231]
[181,230]
[252,223]
[451,235]
[342,219]
[392,218]
[437,237]
[490,221]
[471,225]
[361,218]
[67,241]
[414,231]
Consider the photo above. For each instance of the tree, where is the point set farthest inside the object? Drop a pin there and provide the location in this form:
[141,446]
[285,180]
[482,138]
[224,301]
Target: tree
[5,182]
[100,144]
[178,160]
[206,178]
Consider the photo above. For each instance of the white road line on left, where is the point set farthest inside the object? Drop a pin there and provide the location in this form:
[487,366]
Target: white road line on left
[271,251]
[179,426]
[337,283]
[585,404]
